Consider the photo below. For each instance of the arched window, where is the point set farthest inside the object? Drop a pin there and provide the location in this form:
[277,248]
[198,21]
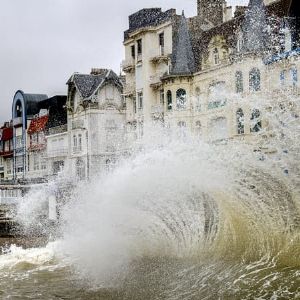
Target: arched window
[254,80]
[169,100]
[239,84]
[256,124]
[216,56]
[240,120]
[181,98]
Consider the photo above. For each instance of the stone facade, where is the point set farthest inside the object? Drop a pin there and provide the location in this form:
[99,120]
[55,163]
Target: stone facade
[213,87]
[96,122]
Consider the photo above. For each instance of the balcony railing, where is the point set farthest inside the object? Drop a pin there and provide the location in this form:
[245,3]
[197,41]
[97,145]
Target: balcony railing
[77,150]
[6,153]
[37,147]
[160,56]
[128,65]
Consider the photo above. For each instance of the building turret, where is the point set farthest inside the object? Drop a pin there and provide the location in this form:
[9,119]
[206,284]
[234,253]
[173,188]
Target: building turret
[183,59]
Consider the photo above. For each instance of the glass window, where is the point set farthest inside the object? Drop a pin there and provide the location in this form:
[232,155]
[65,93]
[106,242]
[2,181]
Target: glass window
[256,124]
[181,99]
[134,105]
[140,100]
[294,76]
[133,51]
[139,47]
[74,141]
[161,43]
[282,77]
[254,80]
[169,100]
[216,56]
[240,119]
[239,84]
[162,97]
[80,142]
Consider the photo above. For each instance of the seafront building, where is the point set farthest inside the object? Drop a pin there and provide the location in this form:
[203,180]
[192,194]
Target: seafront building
[96,122]
[210,74]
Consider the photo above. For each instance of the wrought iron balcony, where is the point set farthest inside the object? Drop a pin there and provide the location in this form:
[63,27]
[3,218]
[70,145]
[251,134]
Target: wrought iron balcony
[160,56]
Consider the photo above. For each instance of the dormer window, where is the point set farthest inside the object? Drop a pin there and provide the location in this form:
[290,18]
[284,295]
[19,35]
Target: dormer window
[216,56]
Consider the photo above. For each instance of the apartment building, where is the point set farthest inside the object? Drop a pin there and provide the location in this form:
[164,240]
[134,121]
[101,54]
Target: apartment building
[96,122]
[6,151]
[215,68]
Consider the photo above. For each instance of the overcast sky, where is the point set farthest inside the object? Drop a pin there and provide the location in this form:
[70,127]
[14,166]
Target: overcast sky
[42,42]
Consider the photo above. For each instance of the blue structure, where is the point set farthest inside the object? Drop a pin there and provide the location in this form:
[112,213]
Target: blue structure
[24,107]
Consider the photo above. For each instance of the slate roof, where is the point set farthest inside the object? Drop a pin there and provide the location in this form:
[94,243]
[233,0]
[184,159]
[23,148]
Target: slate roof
[56,107]
[32,102]
[148,17]
[183,58]
[88,84]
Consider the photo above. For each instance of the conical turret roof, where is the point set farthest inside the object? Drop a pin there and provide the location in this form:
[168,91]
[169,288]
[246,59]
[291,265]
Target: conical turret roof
[255,27]
[183,59]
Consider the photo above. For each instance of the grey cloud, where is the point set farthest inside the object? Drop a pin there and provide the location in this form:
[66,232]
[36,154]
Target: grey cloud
[42,42]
